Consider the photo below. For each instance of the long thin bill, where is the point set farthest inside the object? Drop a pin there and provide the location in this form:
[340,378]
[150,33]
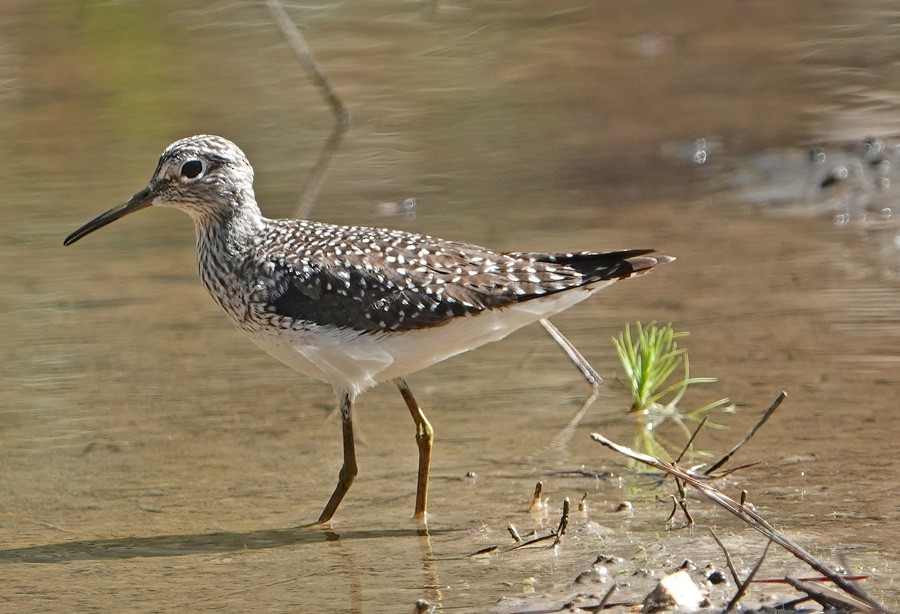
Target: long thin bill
[141,200]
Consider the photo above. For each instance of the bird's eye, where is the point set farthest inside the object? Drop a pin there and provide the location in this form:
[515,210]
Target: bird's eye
[191,169]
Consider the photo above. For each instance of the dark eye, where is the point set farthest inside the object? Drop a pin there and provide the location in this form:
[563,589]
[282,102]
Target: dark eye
[192,169]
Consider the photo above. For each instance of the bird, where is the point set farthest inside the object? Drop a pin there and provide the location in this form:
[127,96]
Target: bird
[354,306]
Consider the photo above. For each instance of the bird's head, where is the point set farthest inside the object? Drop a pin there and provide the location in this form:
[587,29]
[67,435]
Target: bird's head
[206,176]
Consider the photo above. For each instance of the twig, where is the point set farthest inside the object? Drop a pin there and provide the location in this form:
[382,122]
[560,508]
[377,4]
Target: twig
[674,509]
[317,175]
[533,541]
[536,503]
[514,532]
[809,579]
[560,441]
[587,371]
[719,476]
[747,514]
[303,51]
[687,446]
[484,551]
[728,561]
[742,589]
[750,434]
[599,607]
[826,597]
[682,502]
[305,54]
[563,523]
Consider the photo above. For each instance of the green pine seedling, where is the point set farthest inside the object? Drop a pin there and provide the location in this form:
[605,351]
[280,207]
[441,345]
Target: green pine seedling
[651,359]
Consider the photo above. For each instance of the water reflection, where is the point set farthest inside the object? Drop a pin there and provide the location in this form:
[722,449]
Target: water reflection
[146,445]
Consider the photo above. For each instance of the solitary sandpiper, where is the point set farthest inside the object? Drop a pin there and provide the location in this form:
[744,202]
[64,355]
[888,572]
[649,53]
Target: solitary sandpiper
[354,306]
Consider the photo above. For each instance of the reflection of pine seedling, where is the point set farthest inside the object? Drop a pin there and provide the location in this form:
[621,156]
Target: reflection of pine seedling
[651,359]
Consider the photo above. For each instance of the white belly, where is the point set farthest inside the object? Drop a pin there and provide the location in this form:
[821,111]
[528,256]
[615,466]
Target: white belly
[354,362]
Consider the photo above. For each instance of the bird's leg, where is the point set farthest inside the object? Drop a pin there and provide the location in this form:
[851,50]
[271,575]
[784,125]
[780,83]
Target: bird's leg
[424,439]
[348,470]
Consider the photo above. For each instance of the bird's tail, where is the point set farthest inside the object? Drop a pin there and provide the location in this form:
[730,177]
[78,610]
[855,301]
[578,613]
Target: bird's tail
[607,265]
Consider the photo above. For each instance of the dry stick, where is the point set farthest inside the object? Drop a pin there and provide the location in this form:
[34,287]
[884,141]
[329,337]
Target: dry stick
[536,497]
[728,561]
[806,579]
[563,523]
[747,514]
[514,532]
[674,509]
[602,604]
[305,54]
[747,437]
[691,440]
[484,551]
[317,176]
[742,589]
[824,597]
[724,474]
[303,51]
[842,560]
[562,439]
[533,541]
[682,502]
[587,371]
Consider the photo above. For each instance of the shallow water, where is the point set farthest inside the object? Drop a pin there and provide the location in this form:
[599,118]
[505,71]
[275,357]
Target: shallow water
[154,459]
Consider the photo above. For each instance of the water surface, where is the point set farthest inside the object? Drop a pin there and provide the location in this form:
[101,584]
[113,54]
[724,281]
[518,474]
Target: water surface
[154,458]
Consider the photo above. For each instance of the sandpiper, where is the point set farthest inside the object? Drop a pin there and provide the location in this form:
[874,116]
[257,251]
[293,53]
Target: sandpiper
[354,306]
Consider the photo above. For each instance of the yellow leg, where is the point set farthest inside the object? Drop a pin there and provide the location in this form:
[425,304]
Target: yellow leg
[348,470]
[424,439]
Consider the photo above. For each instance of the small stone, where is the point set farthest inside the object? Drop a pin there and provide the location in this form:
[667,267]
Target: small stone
[676,590]
[596,574]
[716,577]
[605,559]
[687,565]
[423,607]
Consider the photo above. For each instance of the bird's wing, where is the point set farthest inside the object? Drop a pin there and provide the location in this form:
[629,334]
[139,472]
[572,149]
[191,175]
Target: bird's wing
[402,281]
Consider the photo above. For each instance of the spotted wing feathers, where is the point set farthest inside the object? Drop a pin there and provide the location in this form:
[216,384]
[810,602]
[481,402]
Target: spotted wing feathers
[374,280]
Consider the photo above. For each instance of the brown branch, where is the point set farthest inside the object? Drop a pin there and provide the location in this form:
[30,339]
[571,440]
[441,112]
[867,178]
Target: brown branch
[728,561]
[687,446]
[514,532]
[825,597]
[742,589]
[536,497]
[605,598]
[305,54]
[563,523]
[302,50]
[587,371]
[533,541]
[750,434]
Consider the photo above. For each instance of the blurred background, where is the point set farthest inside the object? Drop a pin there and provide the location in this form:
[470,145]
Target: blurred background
[153,457]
